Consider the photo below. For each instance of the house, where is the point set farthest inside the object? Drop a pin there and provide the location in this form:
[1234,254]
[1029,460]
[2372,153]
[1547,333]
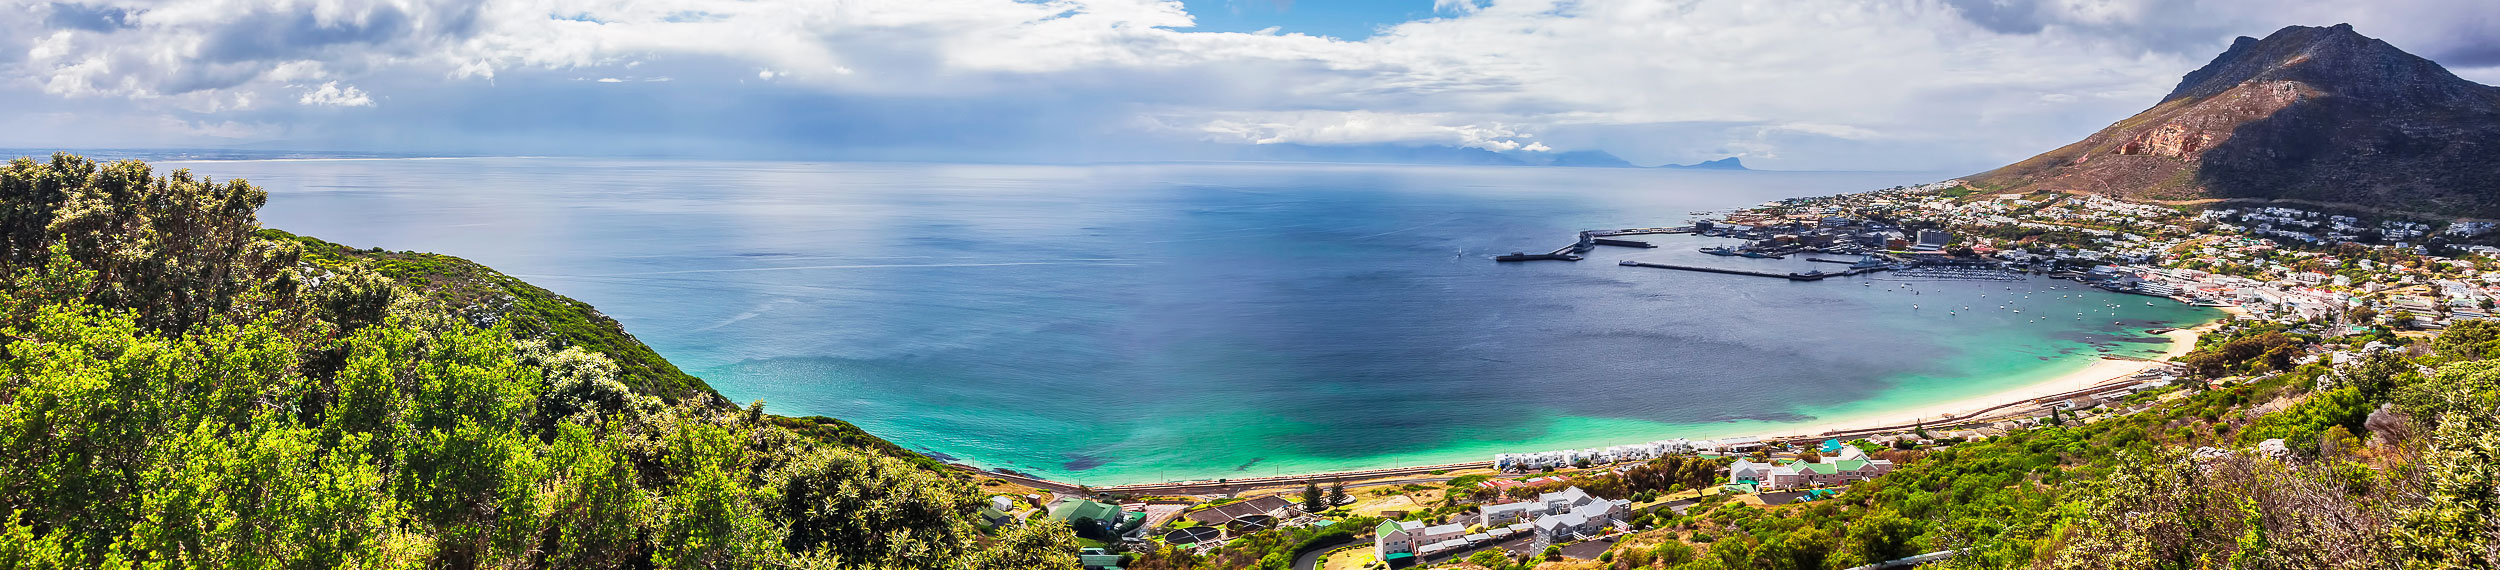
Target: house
[1097,559]
[1441,538]
[1413,537]
[1582,522]
[996,511]
[1553,503]
[1091,519]
[1562,501]
[1506,514]
[1743,471]
[1850,465]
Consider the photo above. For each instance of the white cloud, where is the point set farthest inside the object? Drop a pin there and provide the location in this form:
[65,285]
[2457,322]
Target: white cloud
[1355,127]
[330,94]
[1494,74]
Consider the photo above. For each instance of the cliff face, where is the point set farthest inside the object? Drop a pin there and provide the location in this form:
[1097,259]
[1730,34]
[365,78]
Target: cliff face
[2308,113]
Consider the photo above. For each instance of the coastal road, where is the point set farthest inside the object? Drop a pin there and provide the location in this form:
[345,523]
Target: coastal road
[1028,481]
[1310,560]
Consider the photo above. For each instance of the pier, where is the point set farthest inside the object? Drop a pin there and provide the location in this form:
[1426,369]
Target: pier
[1621,242]
[1641,231]
[1807,276]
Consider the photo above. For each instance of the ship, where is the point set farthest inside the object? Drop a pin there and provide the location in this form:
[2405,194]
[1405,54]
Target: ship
[1525,256]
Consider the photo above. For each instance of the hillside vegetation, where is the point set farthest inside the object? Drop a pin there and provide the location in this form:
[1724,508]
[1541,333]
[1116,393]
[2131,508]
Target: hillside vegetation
[180,388]
[2390,462]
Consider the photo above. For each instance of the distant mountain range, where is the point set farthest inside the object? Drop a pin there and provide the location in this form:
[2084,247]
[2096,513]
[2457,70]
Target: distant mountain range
[2308,113]
[1406,154]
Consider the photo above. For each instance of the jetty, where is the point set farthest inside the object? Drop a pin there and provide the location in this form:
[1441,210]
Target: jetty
[1803,276]
[1557,255]
[1621,242]
[1641,231]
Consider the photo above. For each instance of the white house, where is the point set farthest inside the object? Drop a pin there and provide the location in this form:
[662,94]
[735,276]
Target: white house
[1506,514]
[1412,537]
[1395,537]
[1582,522]
[1563,516]
[1849,465]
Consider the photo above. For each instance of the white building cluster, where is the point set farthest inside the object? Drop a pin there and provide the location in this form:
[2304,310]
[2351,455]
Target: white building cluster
[1592,455]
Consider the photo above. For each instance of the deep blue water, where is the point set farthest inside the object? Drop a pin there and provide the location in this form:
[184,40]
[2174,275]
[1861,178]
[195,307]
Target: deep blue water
[1127,323]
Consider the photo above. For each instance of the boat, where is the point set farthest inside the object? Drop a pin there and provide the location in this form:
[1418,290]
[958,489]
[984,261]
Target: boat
[1719,251]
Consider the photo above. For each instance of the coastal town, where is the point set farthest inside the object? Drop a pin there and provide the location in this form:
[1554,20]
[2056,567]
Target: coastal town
[2357,284]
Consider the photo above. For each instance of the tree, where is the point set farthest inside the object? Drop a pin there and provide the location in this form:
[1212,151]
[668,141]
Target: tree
[2475,339]
[1672,554]
[1312,500]
[1336,494]
[1882,537]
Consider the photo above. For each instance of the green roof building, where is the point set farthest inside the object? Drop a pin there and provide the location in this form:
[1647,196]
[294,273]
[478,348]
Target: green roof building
[1092,519]
[1073,509]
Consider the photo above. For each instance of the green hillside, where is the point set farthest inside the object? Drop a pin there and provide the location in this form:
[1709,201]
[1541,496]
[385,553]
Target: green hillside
[180,387]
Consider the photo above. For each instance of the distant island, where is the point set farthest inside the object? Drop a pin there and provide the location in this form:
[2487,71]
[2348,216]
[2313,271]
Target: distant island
[1729,163]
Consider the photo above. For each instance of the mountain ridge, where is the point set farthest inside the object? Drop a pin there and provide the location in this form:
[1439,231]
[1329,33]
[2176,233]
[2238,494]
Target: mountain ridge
[2311,113]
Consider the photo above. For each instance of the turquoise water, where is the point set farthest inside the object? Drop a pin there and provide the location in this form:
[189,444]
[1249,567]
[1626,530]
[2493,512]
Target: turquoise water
[1117,324]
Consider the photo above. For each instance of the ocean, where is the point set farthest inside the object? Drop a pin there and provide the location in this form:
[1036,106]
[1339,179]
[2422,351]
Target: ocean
[1131,323]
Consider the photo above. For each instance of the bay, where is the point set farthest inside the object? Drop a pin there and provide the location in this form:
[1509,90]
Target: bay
[1127,323]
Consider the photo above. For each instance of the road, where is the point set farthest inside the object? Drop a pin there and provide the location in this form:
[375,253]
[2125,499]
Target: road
[1310,560]
[1590,549]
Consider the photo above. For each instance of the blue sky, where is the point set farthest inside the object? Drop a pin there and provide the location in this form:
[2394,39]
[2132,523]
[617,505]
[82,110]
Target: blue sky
[1345,19]
[1797,84]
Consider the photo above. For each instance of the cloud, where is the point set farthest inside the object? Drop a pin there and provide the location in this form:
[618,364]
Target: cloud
[1817,83]
[1358,128]
[330,94]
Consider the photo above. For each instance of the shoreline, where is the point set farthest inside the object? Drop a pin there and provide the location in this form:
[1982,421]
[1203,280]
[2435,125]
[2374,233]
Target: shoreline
[2107,370]
[2101,373]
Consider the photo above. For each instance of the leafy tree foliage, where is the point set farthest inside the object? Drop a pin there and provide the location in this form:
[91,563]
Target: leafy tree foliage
[177,390]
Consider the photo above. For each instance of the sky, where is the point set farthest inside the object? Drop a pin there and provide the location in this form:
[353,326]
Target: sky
[1793,84]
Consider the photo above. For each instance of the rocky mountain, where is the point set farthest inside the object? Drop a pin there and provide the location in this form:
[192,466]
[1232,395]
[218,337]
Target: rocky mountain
[2308,113]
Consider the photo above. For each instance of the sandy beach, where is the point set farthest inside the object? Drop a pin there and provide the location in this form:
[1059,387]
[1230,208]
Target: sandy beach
[2104,371]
